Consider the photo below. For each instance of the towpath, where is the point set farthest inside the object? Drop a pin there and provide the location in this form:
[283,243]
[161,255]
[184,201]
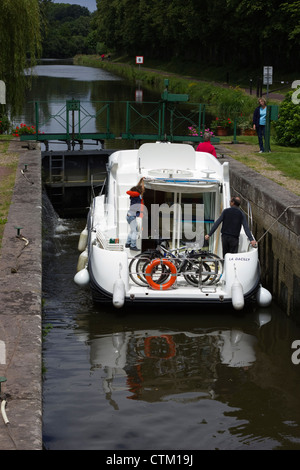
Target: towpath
[21,307]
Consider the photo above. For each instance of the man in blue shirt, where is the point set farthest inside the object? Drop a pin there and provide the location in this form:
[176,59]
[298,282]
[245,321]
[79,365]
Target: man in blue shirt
[232,220]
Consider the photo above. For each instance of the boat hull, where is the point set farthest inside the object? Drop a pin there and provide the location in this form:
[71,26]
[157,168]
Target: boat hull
[107,266]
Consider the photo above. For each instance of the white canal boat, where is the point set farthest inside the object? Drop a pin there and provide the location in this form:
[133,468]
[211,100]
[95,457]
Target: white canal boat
[185,193]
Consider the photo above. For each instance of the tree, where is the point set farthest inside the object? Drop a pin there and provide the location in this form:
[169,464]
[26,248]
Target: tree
[20,44]
[242,33]
[68,29]
[288,125]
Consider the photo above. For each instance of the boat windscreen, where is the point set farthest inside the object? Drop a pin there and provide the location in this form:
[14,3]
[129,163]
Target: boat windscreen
[181,186]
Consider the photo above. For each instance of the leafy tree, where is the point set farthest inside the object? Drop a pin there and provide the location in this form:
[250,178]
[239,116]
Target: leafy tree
[20,43]
[247,33]
[287,127]
[68,31]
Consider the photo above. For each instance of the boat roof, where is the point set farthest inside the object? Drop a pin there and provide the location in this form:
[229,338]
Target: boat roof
[172,167]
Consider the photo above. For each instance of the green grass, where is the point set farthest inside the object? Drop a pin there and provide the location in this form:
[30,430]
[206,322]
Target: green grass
[286,160]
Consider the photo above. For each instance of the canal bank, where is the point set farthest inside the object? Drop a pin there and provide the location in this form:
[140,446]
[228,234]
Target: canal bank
[21,282]
[21,308]
[276,227]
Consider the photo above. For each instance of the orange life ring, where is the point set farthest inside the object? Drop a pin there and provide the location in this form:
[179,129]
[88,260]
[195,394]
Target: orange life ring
[170,343]
[150,268]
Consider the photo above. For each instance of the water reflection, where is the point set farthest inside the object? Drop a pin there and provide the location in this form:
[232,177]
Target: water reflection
[55,82]
[72,72]
[149,379]
[157,363]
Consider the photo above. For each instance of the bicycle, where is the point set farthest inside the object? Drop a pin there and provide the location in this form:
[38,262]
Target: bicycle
[155,267]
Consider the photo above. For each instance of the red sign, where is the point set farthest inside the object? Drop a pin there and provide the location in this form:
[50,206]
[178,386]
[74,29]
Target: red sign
[139,59]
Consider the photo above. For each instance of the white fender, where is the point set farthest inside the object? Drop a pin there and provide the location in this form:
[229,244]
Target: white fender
[83,240]
[118,293]
[82,260]
[263,297]
[82,278]
[237,295]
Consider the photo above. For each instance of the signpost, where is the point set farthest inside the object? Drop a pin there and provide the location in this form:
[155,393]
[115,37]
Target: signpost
[268,77]
[139,59]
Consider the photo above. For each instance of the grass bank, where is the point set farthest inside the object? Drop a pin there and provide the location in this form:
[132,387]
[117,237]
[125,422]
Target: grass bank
[219,98]
[8,168]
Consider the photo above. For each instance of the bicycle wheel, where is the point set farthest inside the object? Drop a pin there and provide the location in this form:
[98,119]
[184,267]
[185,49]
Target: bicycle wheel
[193,269]
[138,266]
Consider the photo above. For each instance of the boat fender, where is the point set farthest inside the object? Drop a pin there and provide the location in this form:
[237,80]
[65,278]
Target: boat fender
[237,295]
[82,260]
[83,240]
[263,297]
[118,293]
[82,278]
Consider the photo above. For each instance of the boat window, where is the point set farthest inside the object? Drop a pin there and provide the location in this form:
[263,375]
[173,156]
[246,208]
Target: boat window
[209,201]
[185,222]
[198,210]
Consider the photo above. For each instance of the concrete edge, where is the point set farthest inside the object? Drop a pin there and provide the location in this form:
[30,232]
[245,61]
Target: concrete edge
[21,307]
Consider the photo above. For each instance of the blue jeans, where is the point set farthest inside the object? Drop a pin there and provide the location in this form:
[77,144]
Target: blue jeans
[261,137]
[132,236]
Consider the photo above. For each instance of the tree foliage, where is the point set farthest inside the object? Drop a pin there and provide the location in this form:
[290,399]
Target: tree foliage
[287,127]
[20,43]
[218,32]
[68,31]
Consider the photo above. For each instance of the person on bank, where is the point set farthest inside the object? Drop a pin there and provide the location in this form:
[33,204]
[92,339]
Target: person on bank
[135,210]
[232,220]
[259,122]
[206,145]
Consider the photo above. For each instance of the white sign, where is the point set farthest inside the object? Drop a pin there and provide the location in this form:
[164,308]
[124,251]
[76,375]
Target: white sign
[139,96]
[268,75]
[2,92]
[139,59]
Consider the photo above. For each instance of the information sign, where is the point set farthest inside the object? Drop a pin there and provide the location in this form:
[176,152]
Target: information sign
[268,75]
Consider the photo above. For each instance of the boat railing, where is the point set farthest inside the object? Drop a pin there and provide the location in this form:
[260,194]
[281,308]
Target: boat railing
[197,268]
[247,211]
[249,215]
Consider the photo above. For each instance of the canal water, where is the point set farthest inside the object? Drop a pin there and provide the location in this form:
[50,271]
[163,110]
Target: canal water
[155,379]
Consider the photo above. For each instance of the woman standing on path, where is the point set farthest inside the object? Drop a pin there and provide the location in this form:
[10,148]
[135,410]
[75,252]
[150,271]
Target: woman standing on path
[259,122]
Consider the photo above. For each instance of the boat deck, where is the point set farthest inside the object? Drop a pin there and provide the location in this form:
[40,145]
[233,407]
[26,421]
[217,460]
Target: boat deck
[212,287]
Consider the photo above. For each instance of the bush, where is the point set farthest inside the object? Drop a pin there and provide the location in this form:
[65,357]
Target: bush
[4,124]
[287,128]
[23,129]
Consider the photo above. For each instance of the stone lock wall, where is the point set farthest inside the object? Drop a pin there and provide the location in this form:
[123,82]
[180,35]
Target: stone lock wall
[276,225]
